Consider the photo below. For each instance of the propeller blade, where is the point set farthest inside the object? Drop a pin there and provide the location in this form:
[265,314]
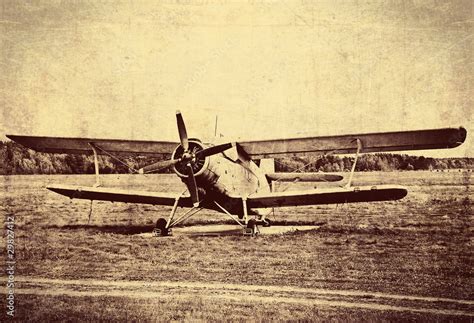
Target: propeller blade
[183,136]
[158,166]
[214,150]
[192,186]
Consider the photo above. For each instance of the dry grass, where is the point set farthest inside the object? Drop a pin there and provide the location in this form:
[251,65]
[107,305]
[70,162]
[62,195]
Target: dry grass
[421,245]
[112,309]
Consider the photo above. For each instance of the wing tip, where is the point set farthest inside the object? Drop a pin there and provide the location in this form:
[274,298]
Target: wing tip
[458,137]
[403,191]
[22,140]
[337,178]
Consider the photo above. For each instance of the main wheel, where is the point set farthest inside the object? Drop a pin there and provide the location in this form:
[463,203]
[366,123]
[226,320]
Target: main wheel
[252,226]
[160,229]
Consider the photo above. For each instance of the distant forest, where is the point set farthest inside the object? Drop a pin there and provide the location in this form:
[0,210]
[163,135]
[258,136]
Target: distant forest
[16,159]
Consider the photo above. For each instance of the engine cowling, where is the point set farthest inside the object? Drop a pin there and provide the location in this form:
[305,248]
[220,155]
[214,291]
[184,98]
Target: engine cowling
[199,164]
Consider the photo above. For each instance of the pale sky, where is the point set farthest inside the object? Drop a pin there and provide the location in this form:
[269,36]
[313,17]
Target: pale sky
[268,69]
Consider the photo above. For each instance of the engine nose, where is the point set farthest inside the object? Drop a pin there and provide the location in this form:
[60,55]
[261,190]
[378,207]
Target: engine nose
[188,157]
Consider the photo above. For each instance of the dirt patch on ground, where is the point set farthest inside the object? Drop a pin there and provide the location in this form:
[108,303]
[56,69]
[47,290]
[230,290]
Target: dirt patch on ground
[251,293]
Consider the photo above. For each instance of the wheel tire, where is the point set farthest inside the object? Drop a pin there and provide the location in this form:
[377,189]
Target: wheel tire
[252,224]
[161,225]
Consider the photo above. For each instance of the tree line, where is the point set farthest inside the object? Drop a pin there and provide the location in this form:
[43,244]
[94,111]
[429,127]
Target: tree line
[371,162]
[16,159]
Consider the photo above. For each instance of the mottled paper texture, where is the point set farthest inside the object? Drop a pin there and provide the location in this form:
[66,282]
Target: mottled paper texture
[309,246]
[267,69]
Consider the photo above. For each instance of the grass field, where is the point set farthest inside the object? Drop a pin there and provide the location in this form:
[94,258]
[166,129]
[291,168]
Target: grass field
[419,246]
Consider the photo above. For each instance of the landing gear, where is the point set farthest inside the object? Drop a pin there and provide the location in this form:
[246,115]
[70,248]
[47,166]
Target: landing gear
[249,225]
[161,230]
[163,226]
[252,228]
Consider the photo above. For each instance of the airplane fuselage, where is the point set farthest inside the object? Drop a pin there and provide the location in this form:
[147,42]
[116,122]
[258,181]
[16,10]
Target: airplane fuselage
[225,178]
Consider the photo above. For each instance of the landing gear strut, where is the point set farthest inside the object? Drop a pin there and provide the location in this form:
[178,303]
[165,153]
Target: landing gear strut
[249,225]
[163,226]
[251,229]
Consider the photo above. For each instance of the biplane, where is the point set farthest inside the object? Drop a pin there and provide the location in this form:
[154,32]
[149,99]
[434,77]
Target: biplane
[235,178]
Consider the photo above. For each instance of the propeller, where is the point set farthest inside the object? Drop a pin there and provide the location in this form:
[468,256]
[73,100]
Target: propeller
[158,166]
[171,162]
[188,158]
[183,135]
[192,186]
[214,150]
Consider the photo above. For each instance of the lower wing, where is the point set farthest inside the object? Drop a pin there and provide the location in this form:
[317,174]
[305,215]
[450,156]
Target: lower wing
[327,196]
[120,195]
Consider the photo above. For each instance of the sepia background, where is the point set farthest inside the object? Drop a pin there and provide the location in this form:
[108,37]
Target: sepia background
[267,69]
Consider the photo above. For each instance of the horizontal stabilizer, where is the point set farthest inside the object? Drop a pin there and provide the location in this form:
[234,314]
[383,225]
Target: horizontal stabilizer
[120,195]
[304,177]
[63,145]
[327,196]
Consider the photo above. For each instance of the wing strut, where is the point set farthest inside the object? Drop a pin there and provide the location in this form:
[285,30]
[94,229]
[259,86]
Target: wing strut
[96,165]
[359,148]
[114,158]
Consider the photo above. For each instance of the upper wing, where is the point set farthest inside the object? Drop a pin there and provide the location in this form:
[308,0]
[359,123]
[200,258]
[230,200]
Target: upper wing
[120,195]
[82,145]
[347,144]
[342,144]
[327,196]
